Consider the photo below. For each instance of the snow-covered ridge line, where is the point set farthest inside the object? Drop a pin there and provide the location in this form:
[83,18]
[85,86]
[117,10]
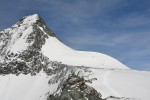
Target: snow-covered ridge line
[57,51]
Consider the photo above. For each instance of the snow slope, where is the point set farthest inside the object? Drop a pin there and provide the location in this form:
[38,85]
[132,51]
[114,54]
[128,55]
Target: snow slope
[57,51]
[25,87]
[120,83]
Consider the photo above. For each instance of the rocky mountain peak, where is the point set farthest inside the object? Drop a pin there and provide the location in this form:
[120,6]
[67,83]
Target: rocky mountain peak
[23,41]
[32,21]
[31,18]
[25,31]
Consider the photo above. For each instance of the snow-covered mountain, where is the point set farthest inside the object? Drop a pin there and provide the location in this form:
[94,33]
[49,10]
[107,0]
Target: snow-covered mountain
[35,65]
[31,34]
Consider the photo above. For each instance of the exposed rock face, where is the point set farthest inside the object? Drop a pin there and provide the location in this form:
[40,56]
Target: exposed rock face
[75,88]
[20,46]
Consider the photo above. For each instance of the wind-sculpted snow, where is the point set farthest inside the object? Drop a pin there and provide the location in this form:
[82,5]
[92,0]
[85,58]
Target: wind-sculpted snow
[57,51]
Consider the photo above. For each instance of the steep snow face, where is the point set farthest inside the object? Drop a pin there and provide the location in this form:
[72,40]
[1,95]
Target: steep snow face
[57,51]
[20,44]
[14,39]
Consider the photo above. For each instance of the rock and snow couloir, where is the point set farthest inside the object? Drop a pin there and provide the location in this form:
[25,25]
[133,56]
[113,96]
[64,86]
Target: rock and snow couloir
[30,68]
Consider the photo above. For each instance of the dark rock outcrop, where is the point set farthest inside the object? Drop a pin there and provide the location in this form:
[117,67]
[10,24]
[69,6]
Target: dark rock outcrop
[75,88]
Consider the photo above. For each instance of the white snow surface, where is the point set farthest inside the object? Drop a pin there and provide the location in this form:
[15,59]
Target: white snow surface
[20,44]
[25,87]
[120,83]
[57,51]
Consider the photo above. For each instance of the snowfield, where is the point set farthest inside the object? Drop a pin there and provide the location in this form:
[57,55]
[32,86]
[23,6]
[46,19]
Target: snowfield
[122,83]
[25,87]
[119,83]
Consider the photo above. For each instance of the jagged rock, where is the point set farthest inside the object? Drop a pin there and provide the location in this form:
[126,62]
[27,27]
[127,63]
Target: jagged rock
[75,88]
[29,30]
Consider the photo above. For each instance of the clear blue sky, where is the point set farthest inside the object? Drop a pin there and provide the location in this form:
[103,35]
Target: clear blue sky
[119,28]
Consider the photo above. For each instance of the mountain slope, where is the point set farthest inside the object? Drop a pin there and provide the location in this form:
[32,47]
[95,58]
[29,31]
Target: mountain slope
[32,33]
[35,65]
[122,83]
[118,83]
[57,51]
